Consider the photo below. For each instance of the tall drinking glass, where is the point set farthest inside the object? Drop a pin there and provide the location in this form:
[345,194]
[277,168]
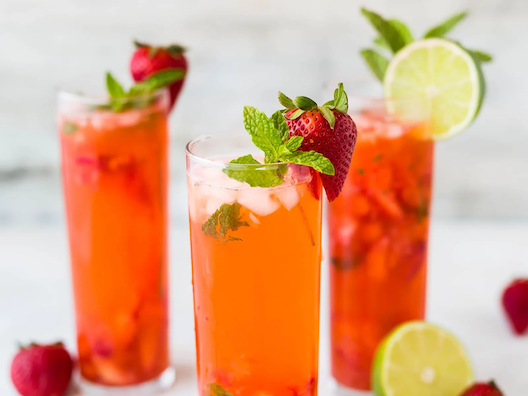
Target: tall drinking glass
[114,166]
[378,233]
[256,255]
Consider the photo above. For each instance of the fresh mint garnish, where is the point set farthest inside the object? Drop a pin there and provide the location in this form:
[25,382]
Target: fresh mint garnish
[69,127]
[226,218]
[255,177]
[481,56]
[217,390]
[445,27]
[121,100]
[388,32]
[378,63]
[394,35]
[271,136]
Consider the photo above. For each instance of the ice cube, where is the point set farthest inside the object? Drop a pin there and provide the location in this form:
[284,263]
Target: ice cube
[288,196]
[254,218]
[258,201]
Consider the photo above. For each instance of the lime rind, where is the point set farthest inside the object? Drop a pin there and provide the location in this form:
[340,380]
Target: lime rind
[443,77]
[383,365]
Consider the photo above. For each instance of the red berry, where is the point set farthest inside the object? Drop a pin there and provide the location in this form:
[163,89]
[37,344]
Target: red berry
[148,60]
[483,389]
[515,303]
[42,370]
[336,144]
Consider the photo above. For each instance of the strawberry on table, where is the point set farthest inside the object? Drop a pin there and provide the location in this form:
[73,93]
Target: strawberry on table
[148,60]
[515,303]
[326,129]
[42,370]
[483,389]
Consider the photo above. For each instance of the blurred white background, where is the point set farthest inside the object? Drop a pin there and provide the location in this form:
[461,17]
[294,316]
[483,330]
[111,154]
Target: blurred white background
[243,52]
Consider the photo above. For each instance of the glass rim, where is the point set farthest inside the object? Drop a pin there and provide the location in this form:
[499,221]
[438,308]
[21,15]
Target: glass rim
[101,99]
[224,165]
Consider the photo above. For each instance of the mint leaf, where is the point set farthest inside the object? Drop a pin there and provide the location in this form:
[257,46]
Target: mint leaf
[69,128]
[387,31]
[114,88]
[381,42]
[217,390]
[378,63]
[263,133]
[481,56]
[445,27]
[311,158]
[255,177]
[293,143]
[404,31]
[280,124]
[225,218]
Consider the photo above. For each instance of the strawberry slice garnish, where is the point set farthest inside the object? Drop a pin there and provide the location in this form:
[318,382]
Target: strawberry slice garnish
[148,60]
[326,129]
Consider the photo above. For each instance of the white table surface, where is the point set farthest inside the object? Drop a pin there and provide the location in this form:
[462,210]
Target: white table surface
[470,262]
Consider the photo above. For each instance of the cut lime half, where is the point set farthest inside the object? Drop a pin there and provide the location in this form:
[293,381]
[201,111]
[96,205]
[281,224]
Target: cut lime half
[421,359]
[444,78]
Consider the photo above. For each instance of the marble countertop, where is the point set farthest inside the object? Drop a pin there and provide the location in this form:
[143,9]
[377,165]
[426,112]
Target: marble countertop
[470,262]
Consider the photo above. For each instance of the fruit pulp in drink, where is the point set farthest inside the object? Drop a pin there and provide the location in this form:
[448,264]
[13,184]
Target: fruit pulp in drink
[114,169]
[256,298]
[378,233]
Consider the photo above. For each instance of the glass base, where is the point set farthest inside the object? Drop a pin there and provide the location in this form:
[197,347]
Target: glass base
[153,387]
[342,390]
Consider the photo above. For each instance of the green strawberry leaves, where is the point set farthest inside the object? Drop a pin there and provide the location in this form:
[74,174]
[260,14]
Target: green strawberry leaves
[395,35]
[121,100]
[302,104]
[226,218]
[271,136]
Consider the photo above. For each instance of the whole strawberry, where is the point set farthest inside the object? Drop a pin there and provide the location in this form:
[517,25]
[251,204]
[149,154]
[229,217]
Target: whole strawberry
[327,129]
[515,303]
[148,60]
[42,370]
[483,389]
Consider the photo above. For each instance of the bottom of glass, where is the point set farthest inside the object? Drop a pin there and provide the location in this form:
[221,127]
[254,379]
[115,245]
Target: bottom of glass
[153,387]
[342,390]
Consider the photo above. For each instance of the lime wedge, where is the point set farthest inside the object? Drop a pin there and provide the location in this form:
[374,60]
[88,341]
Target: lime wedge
[421,359]
[444,78]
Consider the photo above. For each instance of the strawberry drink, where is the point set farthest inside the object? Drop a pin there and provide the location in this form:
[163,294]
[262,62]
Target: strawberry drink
[255,220]
[114,166]
[378,240]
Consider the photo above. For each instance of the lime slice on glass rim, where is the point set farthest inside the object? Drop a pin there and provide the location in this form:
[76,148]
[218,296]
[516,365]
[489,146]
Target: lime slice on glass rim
[421,359]
[445,77]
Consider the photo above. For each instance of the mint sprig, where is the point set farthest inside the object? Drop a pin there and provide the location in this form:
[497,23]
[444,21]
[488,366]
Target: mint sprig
[395,34]
[226,218]
[121,100]
[445,27]
[217,390]
[271,136]
[388,31]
